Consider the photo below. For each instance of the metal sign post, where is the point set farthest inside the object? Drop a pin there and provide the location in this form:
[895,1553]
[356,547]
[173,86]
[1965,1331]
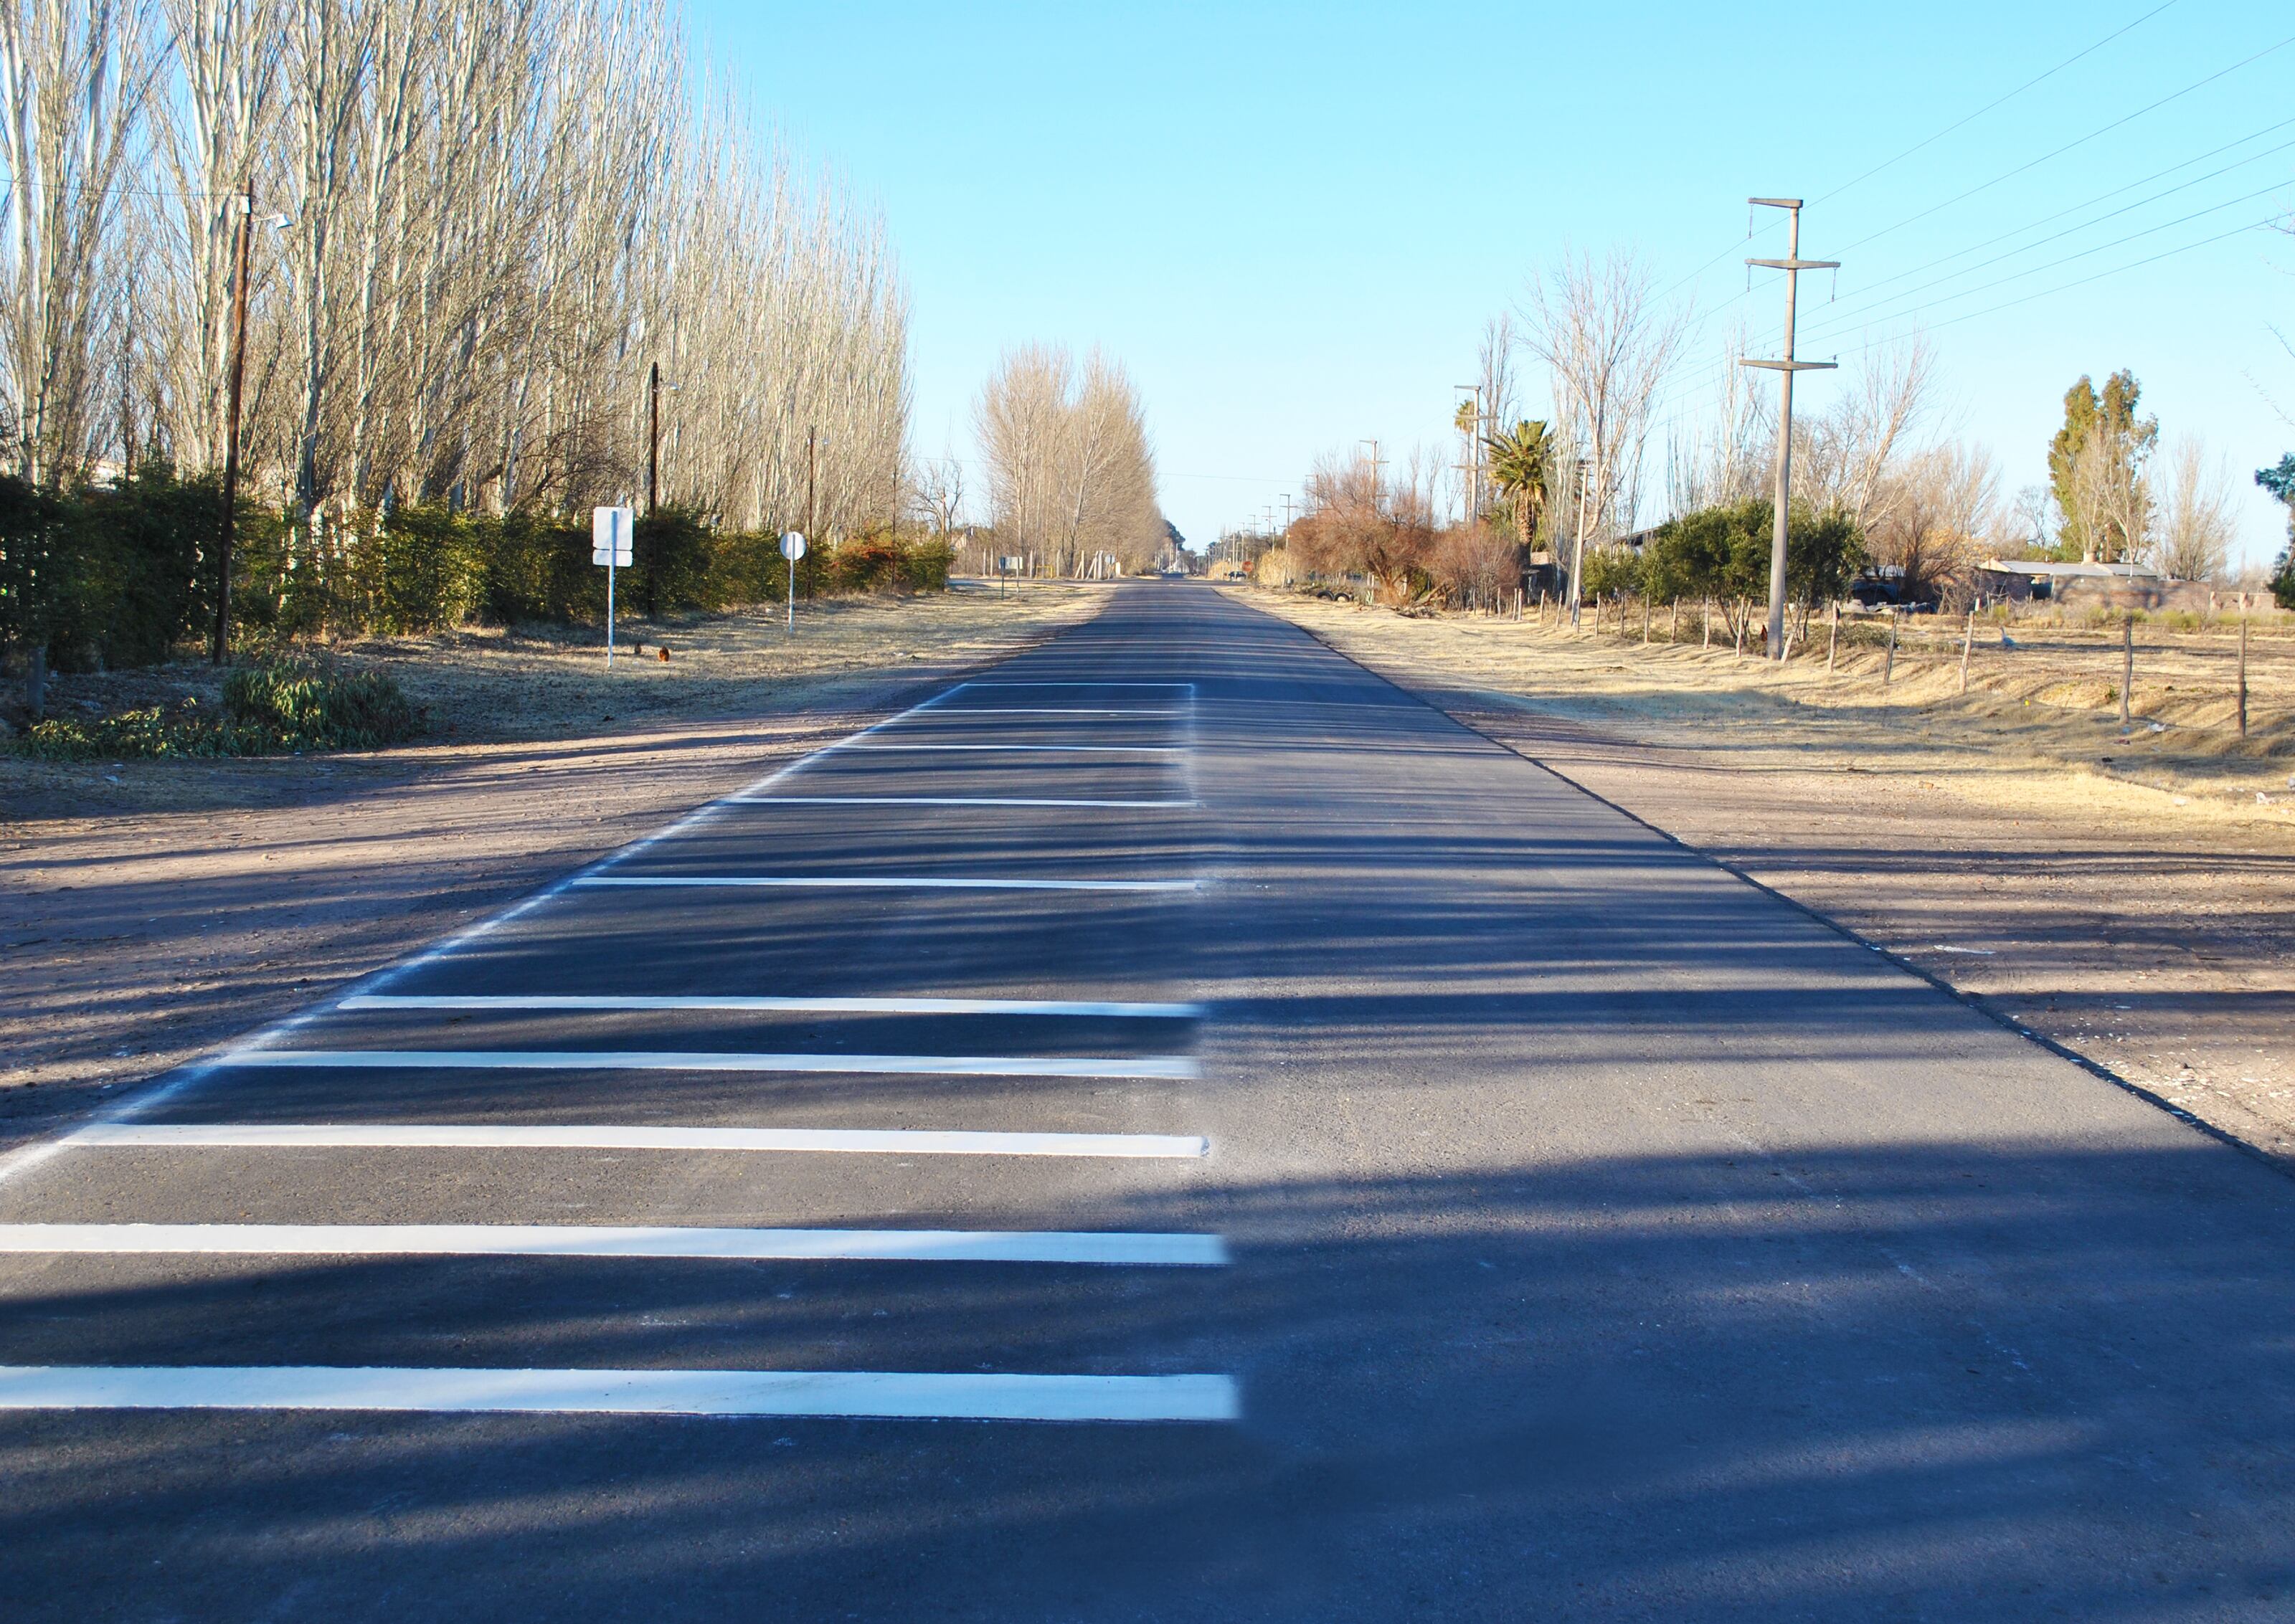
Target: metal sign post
[792,549]
[610,545]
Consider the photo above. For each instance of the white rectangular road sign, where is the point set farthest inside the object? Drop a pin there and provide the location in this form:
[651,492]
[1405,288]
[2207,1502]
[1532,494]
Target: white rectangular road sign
[609,535]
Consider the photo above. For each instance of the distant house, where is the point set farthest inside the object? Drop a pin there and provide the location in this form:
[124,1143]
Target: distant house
[2019,579]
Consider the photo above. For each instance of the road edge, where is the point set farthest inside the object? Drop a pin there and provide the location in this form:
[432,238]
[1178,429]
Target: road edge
[2282,1165]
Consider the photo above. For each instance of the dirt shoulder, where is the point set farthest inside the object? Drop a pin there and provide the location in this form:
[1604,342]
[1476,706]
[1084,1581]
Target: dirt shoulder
[2130,899]
[155,909]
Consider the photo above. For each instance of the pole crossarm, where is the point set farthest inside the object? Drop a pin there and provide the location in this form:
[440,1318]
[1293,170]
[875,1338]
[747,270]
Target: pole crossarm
[1789,366]
[1797,264]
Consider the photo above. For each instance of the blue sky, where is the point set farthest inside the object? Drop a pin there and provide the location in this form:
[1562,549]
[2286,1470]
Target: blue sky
[1292,221]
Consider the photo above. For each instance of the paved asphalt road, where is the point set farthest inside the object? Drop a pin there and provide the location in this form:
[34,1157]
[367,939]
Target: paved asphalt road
[1583,1233]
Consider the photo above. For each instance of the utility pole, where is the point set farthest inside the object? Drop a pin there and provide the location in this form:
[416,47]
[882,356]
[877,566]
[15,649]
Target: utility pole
[812,442]
[1474,469]
[1578,543]
[653,438]
[222,646]
[1792,265]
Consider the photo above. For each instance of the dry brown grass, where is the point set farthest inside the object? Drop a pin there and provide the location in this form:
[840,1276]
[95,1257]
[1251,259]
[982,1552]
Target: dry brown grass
[490,685]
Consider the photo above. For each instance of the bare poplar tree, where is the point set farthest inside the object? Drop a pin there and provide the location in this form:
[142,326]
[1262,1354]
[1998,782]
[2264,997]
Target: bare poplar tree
[472,273]
[1609,347]
[2199,519]
[73,79]
[1071,474]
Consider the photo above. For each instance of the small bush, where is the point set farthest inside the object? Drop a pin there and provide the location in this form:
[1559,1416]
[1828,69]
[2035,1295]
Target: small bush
[299,706]
[280,706]
[144,733]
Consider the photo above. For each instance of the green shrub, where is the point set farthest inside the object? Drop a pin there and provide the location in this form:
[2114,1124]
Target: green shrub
[107,575]
[124,573]
[297,704]
[152,732]
[882,562]
[281,705]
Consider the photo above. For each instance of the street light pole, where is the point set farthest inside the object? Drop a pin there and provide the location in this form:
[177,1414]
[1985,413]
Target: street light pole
[1792,265]
[653,438]
[222,644]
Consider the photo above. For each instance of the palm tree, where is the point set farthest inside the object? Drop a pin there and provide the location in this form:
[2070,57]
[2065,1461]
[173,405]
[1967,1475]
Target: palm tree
[1518,468]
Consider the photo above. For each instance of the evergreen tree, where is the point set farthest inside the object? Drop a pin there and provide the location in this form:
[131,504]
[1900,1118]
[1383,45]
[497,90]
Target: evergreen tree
[2109,418]
[2280,482]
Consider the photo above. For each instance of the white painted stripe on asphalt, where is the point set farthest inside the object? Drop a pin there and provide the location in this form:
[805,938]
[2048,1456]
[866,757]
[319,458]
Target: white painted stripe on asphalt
[1040,749]
[185,1078]
[609,1241]
[1051,710]
[1108,1009]
[889,883]
[1151,1068]
[747,800]
[853,1394]
[480,1135]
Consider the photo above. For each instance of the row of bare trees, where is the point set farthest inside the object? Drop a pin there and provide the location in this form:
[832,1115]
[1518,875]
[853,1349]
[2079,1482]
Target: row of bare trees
[476,225]
[1070,472]
[1876,450]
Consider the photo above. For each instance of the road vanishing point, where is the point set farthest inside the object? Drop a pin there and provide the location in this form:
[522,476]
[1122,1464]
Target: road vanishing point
[1169,1127]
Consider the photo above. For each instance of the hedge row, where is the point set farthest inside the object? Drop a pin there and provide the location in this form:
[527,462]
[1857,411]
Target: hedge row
[124,573]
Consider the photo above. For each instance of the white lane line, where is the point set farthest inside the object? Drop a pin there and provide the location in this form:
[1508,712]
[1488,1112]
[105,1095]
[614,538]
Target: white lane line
[853,1394]
[481,1136]
[748,800]
[888,881]
[1052,710]
[1151,1068]
[1040,749]
[628,1241]
[1105,1009]
[198,1072]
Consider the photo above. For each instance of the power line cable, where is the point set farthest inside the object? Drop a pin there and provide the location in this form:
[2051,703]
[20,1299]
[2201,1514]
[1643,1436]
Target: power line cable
[1839,319]
[2080,142]
[1989,106]
[2102,197]
[2101,248]
[2235,231]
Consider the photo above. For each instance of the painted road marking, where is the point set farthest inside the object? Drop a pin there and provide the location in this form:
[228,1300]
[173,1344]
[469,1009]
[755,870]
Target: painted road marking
[945,801]
[889,883]
[824,1006]
[609,1241]
[1048,749]
[1051,710]
[1147,1068]
[859,1394]
[1185,688]
[889,1141]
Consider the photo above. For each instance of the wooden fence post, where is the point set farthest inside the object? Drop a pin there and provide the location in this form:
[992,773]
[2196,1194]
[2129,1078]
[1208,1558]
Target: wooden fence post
[2127,666]
[1832,638]
[1967,638]
[2242,665]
